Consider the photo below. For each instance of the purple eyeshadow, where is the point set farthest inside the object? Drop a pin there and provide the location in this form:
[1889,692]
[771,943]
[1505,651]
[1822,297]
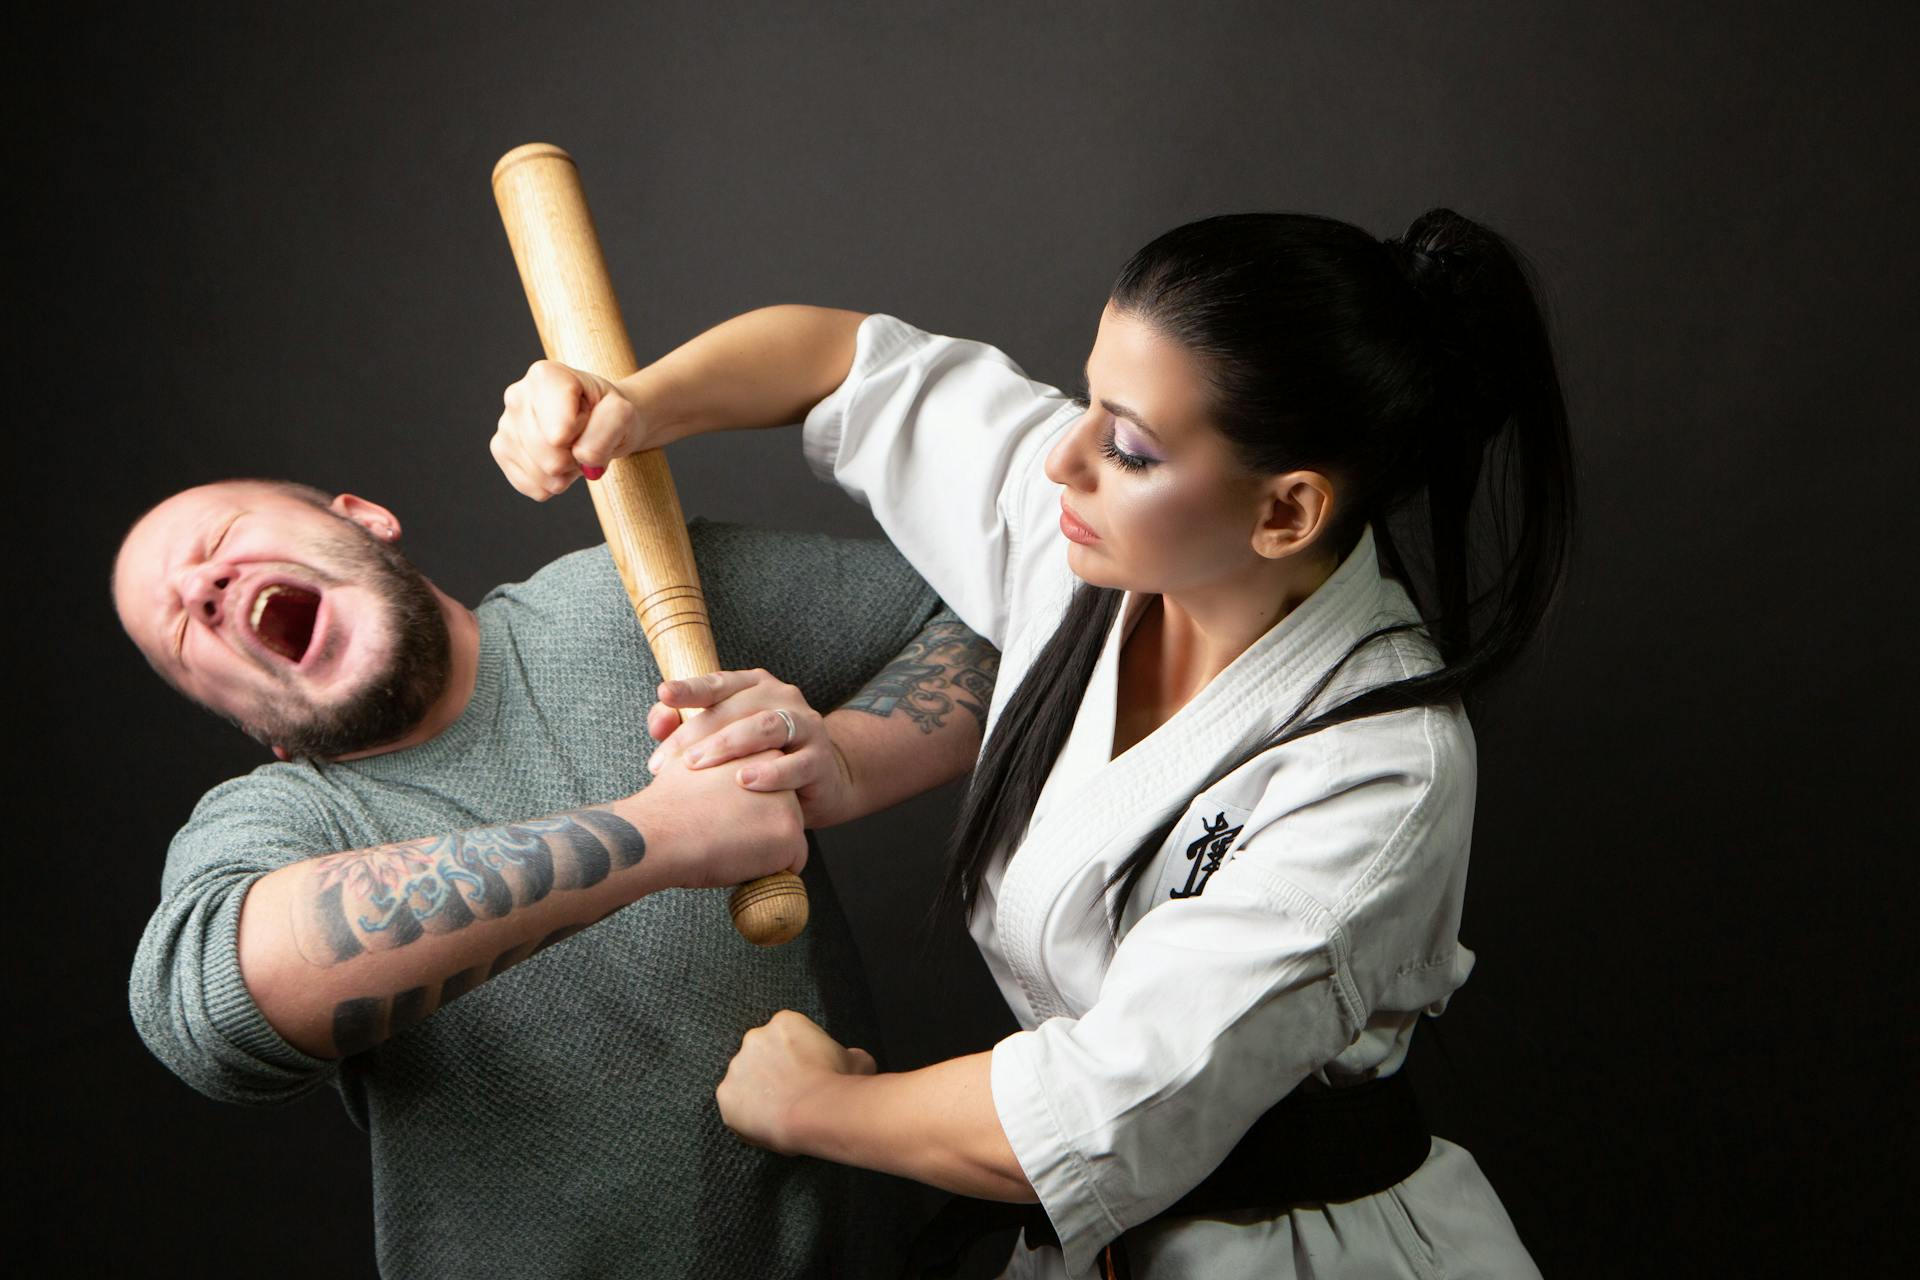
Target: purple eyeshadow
[1133,444]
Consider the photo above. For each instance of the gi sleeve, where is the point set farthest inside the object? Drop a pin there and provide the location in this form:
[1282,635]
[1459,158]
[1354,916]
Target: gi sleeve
[943,440]
[186,995]
[1217,1006]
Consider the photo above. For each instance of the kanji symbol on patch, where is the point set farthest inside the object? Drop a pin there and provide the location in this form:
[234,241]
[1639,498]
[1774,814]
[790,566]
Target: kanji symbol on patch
[1206,853]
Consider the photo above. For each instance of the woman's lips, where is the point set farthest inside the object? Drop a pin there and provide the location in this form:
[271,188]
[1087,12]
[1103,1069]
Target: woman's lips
[1074,528]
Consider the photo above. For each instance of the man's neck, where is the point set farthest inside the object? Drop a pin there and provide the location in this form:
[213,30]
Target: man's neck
[463,640]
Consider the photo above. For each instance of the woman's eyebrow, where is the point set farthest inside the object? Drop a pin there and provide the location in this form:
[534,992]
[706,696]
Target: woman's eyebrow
[1117,409]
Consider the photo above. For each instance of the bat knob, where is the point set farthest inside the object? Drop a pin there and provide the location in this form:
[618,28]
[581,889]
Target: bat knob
[770,910]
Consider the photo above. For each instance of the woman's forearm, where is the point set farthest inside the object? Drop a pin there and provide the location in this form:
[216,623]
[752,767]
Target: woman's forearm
[765,368]
[936,1125]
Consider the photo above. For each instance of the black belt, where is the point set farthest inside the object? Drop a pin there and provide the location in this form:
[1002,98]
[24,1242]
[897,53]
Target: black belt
[1311,1148]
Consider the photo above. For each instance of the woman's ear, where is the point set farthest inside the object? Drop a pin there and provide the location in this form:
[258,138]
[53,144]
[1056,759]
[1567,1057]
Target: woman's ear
[1296,508]
[371,516]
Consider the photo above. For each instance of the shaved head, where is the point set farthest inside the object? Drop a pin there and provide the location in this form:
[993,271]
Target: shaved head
[288,612]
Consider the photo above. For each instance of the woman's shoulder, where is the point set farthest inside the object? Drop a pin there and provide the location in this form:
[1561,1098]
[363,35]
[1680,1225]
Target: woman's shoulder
[1331,812]
[1425,746]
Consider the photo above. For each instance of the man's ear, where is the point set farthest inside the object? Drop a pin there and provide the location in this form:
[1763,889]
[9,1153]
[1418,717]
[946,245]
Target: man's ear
[371,516]
[1297,507]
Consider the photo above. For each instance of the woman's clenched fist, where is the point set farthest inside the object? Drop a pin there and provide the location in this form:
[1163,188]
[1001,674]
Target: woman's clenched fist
[559,422]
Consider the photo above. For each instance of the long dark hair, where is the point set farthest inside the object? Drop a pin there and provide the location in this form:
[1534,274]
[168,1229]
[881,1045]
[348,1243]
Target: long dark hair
[1418,373]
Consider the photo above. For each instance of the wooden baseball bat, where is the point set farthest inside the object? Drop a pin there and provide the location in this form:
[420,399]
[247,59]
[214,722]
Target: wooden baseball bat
[565,274]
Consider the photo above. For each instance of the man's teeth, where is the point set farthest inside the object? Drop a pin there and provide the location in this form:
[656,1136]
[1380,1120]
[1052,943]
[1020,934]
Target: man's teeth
[260,605]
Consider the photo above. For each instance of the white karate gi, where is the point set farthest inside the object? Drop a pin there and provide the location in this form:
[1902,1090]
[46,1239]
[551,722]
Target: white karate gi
[1297,923]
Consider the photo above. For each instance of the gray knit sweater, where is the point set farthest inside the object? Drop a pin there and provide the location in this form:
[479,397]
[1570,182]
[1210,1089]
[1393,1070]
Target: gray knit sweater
[559,1120]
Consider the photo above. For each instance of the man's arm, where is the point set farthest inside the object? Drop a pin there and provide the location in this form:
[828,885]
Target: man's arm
[915,725]
[918,723]
[343,950]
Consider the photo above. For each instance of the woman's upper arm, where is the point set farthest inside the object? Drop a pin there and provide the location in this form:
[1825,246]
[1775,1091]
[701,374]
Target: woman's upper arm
[943,438]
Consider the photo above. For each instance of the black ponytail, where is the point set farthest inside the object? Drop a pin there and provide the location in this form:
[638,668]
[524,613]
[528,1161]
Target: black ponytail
[1420,374]
[1027,737]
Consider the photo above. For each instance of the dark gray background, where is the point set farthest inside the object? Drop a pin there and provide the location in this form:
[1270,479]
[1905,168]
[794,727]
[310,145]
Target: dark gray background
[261,240]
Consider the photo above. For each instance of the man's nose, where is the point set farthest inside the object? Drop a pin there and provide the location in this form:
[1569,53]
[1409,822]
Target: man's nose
[204,593]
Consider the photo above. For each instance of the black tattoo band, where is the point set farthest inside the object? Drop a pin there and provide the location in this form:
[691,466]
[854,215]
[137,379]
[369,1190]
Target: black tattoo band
[393,895]
[365,1021]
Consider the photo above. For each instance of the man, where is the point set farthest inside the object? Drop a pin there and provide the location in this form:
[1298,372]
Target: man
[460,790]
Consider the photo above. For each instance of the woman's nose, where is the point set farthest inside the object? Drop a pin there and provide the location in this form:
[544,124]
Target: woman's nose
[1068,461]
[204,593]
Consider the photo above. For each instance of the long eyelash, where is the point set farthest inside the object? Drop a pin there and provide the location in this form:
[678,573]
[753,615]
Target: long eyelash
[1120,457]
[1113,452]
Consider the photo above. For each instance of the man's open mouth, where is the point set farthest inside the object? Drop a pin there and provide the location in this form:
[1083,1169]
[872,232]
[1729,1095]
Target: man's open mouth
[283,619]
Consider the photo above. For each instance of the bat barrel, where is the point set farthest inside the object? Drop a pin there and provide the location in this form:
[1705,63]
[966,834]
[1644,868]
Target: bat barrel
[565,274]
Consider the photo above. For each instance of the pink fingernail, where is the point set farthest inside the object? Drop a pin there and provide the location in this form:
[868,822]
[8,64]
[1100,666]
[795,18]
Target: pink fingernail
[593,473]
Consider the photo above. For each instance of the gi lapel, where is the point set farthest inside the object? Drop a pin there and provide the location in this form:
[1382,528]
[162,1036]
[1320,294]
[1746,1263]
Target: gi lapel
[1098,819]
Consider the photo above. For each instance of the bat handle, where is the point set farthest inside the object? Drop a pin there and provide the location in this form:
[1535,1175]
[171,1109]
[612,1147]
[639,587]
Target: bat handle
[770,910]
[558,252]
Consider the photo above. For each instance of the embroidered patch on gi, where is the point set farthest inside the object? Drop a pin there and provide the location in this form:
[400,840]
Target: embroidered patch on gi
[1209,840]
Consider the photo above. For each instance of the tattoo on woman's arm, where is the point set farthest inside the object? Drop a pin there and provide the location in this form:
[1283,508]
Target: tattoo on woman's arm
[945,666]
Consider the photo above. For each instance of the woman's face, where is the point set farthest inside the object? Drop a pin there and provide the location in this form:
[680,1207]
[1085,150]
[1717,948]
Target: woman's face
[1154,500]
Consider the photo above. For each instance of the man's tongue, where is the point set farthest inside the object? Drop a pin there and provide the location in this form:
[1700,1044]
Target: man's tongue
[283,619]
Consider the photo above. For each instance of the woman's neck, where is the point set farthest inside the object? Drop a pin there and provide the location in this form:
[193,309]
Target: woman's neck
[1181,641]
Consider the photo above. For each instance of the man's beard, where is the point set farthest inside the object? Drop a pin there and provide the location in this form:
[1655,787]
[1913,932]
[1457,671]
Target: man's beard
[393,699]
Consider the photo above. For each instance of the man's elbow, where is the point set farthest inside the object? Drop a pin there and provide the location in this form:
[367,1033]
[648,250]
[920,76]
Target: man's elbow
[194,1013]
[209,1064]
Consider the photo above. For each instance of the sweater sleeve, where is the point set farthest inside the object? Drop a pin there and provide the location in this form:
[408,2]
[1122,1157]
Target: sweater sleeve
[186,994]
[943,440]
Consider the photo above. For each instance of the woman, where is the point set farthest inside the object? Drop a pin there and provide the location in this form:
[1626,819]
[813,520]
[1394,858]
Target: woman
[1215,848]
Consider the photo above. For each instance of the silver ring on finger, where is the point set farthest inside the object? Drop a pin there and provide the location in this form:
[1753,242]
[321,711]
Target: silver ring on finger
[788,721]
